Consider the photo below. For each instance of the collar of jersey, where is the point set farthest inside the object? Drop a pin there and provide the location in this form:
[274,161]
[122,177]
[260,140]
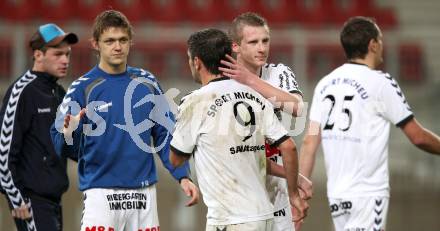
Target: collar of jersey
[45,75]
[219,79]
[107,75]
[351,62]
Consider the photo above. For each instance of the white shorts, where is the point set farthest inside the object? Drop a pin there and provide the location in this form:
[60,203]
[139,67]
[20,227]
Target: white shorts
[283,220]
[359,214]
[265,225]
[120,209]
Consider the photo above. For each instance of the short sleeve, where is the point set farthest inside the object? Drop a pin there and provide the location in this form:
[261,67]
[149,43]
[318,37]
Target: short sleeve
[275,133]
[395,107]
[186,129]
[315,112]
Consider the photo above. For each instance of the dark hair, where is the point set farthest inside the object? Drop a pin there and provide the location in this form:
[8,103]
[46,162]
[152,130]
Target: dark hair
[110,18]
[356,35]
[37,43]
[245,19]
[210,46]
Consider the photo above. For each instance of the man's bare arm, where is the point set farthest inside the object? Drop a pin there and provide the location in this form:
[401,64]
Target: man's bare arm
[422,137]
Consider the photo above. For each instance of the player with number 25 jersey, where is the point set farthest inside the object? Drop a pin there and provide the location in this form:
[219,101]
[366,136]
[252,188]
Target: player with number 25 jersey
[353,105]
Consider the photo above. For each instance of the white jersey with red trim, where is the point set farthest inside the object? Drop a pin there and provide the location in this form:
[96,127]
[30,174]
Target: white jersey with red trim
[282,77]
[225,124]
[354,106]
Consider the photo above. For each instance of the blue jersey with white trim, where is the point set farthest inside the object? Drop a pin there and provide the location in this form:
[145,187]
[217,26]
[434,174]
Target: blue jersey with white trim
[127,119]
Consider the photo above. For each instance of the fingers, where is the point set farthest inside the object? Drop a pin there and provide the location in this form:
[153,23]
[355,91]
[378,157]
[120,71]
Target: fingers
[194,193]
[302,194]
[306,186]
[299,209]
[71,122]
[26,213]
[228,72]
[23,212]
[297,214]
[192,201]
[298,224]
[67,121]
[305,178]
[68,117]
[190,190]
[82,113]
[231,59]
[186,190]
[228,64]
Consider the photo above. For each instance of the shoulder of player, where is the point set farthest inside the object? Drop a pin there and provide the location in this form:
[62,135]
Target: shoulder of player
[388,83]
[279,67]
[139,72]
[188,97]
[383,75]
[23,87]
[82,81]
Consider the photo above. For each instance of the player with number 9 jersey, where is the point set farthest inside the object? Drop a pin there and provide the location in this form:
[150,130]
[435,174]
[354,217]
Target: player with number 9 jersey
[228,123]
[225,124]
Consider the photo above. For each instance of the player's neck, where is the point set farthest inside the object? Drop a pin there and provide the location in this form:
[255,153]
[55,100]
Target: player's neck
[366,61]
[38,67]
[112,69]
[252,68]
[208,77]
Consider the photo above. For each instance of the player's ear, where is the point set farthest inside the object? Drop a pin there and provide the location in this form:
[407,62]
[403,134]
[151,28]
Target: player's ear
[373,45]
[94,44]
[38,54]
[197,63]
[235,47]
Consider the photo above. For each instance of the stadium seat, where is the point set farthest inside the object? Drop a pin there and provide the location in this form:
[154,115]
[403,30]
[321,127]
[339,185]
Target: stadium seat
[163,11]
[5,59]
[132,9]
[208,11]
[163,59]
[83,59]
[90,9]
[275,12]
[322,58]
[310,13]
[411,62]
[24,10]
[385,17]
[281,53]
[233,8]
[60,10]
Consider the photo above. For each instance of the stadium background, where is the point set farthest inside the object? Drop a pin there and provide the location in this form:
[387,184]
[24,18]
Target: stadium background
[304,36]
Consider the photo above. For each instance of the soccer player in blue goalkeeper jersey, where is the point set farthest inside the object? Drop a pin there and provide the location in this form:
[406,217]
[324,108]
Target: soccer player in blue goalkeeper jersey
[114,118]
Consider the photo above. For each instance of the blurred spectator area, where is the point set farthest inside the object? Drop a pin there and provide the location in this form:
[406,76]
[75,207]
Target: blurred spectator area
[5,58]
[304,12]
[166,57]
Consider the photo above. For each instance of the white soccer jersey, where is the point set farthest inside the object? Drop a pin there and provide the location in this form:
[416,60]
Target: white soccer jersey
[225,124]
[282,77]
[354,105]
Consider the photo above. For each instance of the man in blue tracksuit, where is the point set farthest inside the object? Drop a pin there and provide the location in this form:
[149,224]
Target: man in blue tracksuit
[114,117]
